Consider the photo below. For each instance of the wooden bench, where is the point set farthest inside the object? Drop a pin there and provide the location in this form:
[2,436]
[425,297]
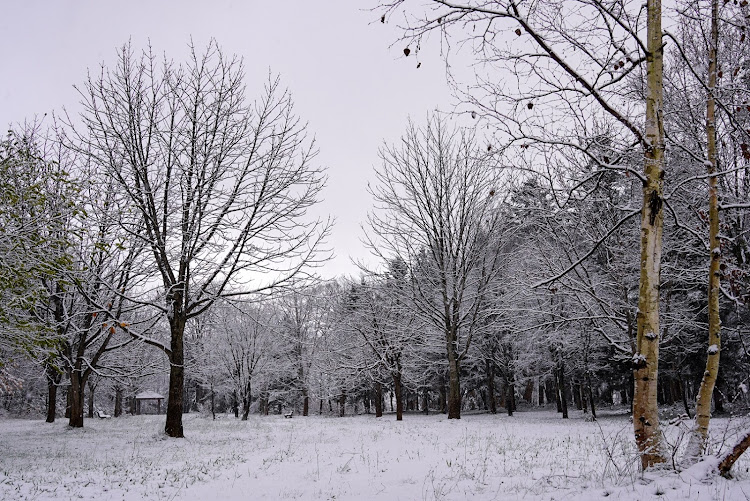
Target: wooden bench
[102,415]
[288,414]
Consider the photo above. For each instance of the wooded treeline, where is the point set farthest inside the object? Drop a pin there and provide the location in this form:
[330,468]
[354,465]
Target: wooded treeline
[164,231]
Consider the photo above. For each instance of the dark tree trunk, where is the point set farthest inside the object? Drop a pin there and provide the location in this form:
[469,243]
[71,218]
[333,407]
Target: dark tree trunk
[76,400]
[118,401]
[490,371]
[409,400]
[366,402]
[576,391]
[397,389]
[454,387]
[563,393]
[342,404]
[718,401]
[550,389]
[320,410]
[425,402]
[540,392]
[528,392]
[53,380]
[676,390]
[660,392]
[195,402]
[378,399]
[262,403]
[305,403]
[51,401]
[246,401]
[510,398]
[173,427]
[91,400]
[213,402]
[235,405]
[590,391]
[584,403]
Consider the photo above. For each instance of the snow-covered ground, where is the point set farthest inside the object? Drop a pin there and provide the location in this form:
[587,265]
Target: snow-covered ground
[533,455]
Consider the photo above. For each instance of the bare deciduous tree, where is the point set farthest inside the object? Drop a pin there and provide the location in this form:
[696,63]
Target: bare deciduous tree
[216,187]
[244,341]
[436,202]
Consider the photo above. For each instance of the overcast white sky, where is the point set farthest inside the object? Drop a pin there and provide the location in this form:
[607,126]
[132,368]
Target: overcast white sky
[334,55]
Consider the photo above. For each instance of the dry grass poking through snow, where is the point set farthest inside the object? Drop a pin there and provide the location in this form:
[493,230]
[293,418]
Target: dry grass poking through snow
[534,455]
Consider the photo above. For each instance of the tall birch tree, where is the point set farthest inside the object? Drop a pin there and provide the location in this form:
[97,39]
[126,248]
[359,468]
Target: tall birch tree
[575,63]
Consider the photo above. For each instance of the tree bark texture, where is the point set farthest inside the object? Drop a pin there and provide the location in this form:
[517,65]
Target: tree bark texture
[684,396]
[378,399]
[51,401]
[646,359]
[590,392]
[510,398]
[454,385]
[561,391]
[118,402]
[91,400]
[726,462]
[76,400]
[490,371]
[246,401]
[699,434]
[556,389]
[213,402]
[577,392]
[53,380]
[398,390]
[173,427]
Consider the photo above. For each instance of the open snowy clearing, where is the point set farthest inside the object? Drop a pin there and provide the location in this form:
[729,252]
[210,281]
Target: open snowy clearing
[534,455]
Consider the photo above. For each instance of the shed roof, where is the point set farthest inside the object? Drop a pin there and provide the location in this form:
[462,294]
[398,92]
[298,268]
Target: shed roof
[148,395]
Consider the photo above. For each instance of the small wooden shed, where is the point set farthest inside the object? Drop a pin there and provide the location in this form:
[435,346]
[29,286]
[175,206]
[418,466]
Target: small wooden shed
[148,397]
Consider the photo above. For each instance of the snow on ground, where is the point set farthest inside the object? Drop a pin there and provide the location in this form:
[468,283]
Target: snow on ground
[533,455]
